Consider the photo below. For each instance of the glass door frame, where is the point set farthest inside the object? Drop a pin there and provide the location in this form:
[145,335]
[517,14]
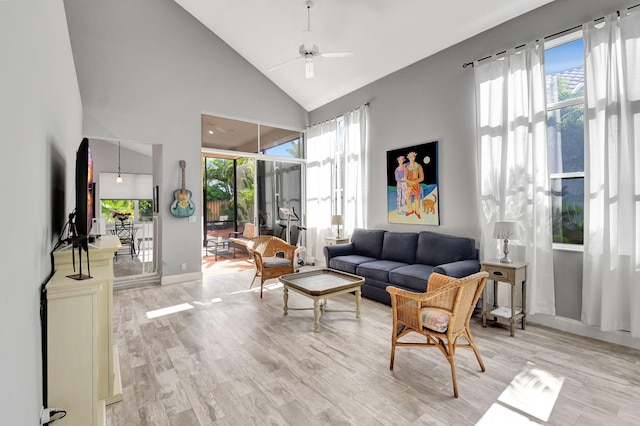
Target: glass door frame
[231,155]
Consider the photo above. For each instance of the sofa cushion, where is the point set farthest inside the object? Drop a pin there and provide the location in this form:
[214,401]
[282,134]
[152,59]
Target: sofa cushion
[378,270]
[367,242]
[413,277]
[400,246]
[349,263]
[435,249]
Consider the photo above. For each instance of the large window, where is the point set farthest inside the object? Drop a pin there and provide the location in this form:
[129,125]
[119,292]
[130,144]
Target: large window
[291,148]
[131,199]
[564,69]
[130,210]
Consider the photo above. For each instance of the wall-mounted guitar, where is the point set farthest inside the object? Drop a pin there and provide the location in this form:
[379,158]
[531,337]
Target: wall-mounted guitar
[182,206]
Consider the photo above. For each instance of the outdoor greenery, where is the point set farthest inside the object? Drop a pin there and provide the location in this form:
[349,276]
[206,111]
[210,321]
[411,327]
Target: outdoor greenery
[293,148]
[568,223]
[110,209]
[567,125]
[219,185]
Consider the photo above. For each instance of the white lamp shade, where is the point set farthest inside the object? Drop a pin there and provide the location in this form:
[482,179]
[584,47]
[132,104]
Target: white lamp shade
[336,219]
[506,231]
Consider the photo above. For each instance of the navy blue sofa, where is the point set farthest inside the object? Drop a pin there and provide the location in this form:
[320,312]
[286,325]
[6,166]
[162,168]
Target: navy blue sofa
[402,259]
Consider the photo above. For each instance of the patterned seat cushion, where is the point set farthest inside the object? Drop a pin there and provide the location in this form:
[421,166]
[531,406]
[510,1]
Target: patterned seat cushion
[435,320]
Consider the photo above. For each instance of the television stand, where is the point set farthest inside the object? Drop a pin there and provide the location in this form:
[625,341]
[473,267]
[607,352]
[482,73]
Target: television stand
[80,336]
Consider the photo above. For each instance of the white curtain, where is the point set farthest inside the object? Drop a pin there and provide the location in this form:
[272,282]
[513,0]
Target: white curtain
[355,185]
[321,144]
[513,165]
[611,275]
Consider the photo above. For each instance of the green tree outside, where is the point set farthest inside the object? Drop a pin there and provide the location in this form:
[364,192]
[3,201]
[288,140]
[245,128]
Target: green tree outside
[219,184]
[568,125]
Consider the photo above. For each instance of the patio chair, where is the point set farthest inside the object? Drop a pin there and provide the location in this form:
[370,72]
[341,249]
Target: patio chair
[273,257]
[442,315]
[126,232]
[242,238]
[222,222]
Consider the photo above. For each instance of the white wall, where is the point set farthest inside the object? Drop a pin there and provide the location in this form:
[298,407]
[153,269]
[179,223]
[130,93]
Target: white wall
[434,99]
[40,129]
[147,70]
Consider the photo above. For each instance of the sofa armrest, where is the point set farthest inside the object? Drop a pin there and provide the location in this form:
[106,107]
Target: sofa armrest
[337,250]
[458,269]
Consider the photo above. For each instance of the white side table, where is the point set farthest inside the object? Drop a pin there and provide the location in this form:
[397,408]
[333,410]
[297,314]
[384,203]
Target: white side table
[513,274]
[336,240]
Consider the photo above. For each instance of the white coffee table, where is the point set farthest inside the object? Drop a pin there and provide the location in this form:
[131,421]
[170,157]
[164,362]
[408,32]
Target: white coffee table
[320,285]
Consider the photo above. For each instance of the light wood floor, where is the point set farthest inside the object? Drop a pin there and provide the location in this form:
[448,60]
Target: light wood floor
[234,359]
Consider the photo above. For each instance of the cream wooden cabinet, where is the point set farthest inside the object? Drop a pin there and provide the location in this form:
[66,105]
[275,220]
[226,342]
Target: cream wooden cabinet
[82,362]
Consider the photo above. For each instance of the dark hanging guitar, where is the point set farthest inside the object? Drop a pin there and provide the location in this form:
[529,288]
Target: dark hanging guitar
[182,206]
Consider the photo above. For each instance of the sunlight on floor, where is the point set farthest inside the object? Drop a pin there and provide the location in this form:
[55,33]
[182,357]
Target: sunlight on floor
[267,287]
[533,393]
[186,306]
[498,415]
[169,310]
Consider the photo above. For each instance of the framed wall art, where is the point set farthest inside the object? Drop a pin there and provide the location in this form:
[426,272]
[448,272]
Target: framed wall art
[412,185]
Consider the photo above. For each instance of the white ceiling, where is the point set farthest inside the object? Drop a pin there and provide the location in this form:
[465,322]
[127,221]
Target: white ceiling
[384,36]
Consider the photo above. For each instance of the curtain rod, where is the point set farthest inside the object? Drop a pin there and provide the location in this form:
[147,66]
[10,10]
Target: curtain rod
[466,64]
[366,104]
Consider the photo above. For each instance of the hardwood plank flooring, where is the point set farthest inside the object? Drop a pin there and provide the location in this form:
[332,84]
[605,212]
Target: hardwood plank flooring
[234,359]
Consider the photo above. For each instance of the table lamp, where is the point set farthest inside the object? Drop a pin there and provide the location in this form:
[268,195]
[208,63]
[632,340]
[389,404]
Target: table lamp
[506,231]
[336,219]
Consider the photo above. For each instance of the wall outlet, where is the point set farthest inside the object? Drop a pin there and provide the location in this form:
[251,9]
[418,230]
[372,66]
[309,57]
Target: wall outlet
[183,266]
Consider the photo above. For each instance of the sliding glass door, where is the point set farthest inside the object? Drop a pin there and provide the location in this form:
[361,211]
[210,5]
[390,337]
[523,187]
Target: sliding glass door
[279,198]
[228,194]
[252,173]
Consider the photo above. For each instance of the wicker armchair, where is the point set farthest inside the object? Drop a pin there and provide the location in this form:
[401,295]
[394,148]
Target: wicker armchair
[442,315]
[273,257]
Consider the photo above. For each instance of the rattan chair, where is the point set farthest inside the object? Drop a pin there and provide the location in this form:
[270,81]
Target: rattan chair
[442,315]
[273,257]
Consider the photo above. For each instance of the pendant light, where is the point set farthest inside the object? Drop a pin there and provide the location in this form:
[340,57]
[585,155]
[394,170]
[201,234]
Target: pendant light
[119,178]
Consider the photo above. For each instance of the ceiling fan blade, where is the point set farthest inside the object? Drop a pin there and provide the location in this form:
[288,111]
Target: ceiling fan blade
[222,130]
[284,63]
[336,54]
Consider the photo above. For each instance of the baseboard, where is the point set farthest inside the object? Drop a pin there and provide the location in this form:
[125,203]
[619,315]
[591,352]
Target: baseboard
[581,329]
[181,278]
[136,281]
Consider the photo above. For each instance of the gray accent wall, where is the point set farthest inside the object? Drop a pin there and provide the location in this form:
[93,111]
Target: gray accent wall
[40,131]
[434,99]
[147,70]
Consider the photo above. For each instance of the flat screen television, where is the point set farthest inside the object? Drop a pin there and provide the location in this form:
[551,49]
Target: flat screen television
[83,213]
[84,189]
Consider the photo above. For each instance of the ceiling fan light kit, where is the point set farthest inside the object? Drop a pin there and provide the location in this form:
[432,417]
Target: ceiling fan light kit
[308,68]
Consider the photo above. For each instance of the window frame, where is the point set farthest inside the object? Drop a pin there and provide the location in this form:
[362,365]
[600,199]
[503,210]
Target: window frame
[554,106]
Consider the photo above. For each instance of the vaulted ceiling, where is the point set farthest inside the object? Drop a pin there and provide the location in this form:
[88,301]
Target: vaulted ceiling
[383,36]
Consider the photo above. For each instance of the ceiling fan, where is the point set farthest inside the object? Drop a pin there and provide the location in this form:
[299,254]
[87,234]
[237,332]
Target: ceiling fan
[308,50]
[212,126]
